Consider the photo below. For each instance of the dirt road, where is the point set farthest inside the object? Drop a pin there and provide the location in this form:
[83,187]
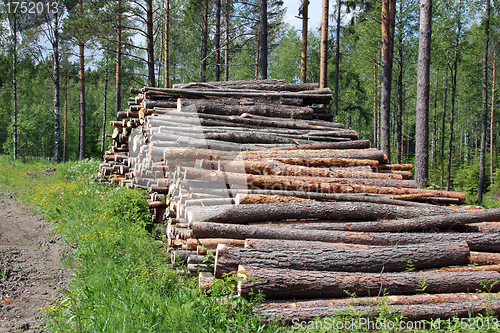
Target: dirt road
[31,272]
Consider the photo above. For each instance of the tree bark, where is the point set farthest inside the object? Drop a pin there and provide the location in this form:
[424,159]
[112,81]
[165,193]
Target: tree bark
[252,199]
[484,122]
[388,18]
[323,63]
[14,89]
[492,116]
[484,242]
[204,44]
[453,96]
[226,43]
[262,65]
[375,108]
[354,144]
[419,223]
[303,57]
[412,308]
[399,117]
[263,167]
[485,258]
[233,108]
[166,60]
[335,211]
[422,112]
[370,260]
[337,63]
[118,69]
[218,6]
[150,45]
[287,283]
[443,128]
[211,243]
[56,89]
[103,134]
[83,116]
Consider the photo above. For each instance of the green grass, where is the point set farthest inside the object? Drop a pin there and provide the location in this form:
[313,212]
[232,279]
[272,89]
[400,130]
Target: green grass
[122,278]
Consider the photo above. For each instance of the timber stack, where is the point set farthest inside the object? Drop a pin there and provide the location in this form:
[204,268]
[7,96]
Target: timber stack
[256,174]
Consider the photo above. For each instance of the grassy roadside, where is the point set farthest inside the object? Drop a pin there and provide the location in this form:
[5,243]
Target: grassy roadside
[122,279]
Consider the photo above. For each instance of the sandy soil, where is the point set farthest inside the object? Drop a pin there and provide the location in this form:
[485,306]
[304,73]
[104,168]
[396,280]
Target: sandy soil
[31,272]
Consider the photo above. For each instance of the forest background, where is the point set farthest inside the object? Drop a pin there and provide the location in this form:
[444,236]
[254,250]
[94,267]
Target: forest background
[66,73]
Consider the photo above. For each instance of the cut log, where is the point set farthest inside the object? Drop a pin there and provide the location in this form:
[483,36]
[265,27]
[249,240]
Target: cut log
[192,243]
[318,96]
[375,155]
[307,210]
[287,283]
[370,260]
[412,308]
[422,222]
[483,242]
[261,122]
[355,144]
[393,167]
[205,280]
[353,197]
[276,168]
[251,199]
[268,84]
[495,268]
[234,108]
[485,258]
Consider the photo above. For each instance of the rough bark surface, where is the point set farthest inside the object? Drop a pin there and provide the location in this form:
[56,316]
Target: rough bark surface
[306,210]
[370,260]
[477,241]
[287,283]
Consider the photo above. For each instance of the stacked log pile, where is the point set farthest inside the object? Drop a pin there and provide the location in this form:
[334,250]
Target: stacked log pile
[255,175]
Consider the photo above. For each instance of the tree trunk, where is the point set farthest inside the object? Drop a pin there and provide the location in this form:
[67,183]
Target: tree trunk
[323,63]
[303,57]
[118,70]
[484,119]
[83,116]
[335,211]
[166,60]
[14,90]
[485,242]
[388,18]
[492,116]
[217,39]
[226,42]
[434,123]
[452,113]
[413,308]
[370,260]
[56,89]
[150,38]
[65,113]
[337,63]
[399,118]
[443,128]
[262,67]
[422,112]
[287,283]
[103,136]
[375,108]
